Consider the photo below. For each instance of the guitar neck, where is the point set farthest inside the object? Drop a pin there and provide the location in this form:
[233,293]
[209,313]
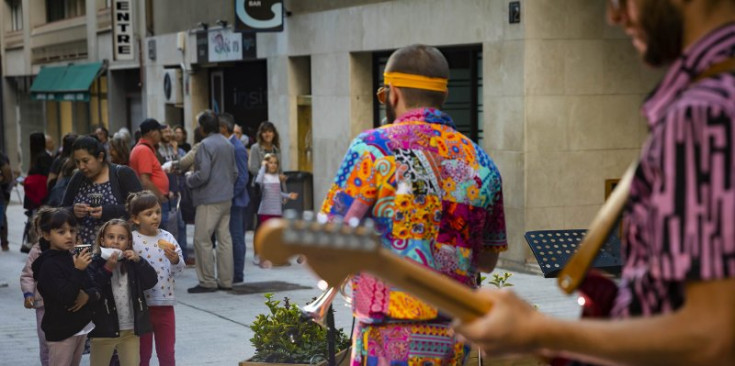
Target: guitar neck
[449,296]
[575,270]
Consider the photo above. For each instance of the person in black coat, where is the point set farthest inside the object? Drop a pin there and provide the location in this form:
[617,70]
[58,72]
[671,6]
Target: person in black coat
[98,190]
[68,292]
[122,314]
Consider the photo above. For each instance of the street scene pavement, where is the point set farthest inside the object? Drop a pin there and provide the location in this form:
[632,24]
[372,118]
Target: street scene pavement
[212,328]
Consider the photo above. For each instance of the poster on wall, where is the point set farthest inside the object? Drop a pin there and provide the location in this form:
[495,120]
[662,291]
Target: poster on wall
[259,15]
[122,30]
[224,45]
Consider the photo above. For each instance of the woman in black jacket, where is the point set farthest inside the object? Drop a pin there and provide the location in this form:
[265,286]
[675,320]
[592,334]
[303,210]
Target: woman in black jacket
[97,192]
[121,315]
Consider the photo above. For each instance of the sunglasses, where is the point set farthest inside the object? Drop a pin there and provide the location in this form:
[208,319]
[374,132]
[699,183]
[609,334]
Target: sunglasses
[382,94]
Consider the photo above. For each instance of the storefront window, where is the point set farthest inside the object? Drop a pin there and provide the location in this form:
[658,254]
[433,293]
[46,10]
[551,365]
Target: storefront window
[15,8]
[98,102]
[63,9]
[464,103]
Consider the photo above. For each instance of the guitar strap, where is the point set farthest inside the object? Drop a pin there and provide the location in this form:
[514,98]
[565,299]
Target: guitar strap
[725,66]
[575,270]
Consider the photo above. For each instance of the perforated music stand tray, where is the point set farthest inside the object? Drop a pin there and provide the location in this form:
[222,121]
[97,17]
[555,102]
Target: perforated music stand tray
[553,248]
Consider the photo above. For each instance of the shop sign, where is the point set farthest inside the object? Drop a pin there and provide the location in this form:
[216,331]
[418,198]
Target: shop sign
[259,15]
[224,45]
[122,30]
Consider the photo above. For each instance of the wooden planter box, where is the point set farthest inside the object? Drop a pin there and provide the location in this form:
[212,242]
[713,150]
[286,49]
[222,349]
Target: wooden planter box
[472,360]
[339,356]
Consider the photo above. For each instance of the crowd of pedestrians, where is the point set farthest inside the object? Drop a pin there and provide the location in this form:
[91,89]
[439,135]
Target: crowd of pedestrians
[131,199]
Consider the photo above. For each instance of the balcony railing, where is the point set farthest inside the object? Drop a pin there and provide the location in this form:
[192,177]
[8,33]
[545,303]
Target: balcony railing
[13,39]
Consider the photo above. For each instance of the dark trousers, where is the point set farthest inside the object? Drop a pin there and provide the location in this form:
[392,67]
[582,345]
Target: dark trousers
[250,216]
[238,242]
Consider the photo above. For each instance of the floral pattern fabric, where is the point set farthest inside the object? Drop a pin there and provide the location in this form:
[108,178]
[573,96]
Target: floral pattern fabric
[407,344]
[88,225]
[436,198]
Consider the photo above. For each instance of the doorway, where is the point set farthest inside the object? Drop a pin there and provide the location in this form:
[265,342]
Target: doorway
[304,145]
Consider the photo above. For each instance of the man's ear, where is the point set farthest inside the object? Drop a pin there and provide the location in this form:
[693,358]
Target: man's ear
[394,95]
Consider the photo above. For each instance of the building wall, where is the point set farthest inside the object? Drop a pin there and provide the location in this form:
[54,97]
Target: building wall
[561,93]
[584,85]
[171,16]
[81,39]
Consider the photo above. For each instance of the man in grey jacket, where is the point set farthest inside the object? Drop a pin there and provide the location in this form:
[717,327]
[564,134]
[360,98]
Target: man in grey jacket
[212,183]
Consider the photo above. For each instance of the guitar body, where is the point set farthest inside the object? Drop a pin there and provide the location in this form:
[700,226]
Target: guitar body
[599,294]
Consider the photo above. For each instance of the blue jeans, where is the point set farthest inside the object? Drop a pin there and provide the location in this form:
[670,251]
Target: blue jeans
[238,242]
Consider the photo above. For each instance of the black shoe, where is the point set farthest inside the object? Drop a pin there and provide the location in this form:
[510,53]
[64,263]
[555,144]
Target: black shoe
[200,289]
[222,288]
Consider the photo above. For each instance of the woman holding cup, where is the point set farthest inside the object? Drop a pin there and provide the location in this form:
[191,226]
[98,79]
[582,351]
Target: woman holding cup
[98,190]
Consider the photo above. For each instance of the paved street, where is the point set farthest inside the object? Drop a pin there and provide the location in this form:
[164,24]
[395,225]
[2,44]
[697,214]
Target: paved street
[211,329]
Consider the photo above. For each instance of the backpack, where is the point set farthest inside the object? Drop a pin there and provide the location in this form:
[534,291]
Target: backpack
[56,194]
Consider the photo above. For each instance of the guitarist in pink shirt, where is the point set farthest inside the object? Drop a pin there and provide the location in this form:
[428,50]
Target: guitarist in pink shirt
[675,304]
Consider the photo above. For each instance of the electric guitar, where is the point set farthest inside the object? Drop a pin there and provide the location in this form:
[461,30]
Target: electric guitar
[336,250]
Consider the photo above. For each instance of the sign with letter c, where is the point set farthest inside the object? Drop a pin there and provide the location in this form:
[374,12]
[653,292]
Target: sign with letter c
[259,15]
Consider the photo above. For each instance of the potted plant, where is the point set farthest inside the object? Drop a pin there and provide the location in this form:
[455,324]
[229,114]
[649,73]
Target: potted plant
[283,336]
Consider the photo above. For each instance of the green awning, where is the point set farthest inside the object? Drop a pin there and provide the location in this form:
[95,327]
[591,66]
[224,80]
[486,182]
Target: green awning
[65,83]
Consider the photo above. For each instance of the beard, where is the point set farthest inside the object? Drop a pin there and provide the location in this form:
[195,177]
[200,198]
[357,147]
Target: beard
[663,25]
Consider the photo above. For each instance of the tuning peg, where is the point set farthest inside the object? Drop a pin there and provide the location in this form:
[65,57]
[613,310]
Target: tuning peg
[308,216]
[368,236]
[353,222]
[337,223]
[369,225]
[335,234]
[290,214]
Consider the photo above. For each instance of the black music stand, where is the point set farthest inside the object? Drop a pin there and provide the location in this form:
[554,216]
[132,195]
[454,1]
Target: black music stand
[553,248]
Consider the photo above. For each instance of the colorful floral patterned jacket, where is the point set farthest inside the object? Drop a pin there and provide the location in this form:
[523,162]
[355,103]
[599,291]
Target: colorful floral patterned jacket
[435,197]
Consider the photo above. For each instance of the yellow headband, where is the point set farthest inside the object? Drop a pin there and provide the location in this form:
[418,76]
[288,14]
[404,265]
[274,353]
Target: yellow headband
[399,79]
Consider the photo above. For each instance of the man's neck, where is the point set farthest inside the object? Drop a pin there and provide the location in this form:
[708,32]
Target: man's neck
[701,18]
[147,141]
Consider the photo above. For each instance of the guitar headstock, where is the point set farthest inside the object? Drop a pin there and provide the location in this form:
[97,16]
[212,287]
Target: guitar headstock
[334,250]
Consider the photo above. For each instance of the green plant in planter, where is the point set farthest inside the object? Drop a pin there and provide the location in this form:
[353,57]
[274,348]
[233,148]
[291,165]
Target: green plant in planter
[501,281]
[283,336]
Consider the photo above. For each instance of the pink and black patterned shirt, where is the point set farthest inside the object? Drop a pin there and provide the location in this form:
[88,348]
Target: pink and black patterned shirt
[680,219]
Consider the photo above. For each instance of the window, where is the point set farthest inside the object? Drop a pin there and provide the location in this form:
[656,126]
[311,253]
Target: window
[15,8]
[63,9]
[464,103]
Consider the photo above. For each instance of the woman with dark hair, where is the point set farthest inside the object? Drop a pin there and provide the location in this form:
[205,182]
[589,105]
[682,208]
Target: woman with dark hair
[61,171]
[267,142]
[180,136]
[98,190]
[35,184]
[58,163]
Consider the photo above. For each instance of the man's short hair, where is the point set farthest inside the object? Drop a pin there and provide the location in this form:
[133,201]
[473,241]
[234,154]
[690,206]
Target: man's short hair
[227,121]
[208,121]
[419,59]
